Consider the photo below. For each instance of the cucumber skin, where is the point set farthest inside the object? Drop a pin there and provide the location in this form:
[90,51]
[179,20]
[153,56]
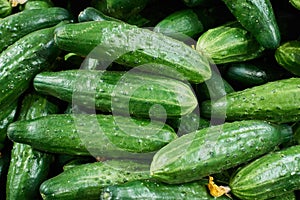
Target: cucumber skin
[29,168]
[274,174]
[21,61]
[81,134]
[16,26]
[216,148]
[257,16]
[135,46]
[92,14]
[5,8]
[229,43]
[276,101]
[119,92]
[287,55]
[87,180]
[152,190]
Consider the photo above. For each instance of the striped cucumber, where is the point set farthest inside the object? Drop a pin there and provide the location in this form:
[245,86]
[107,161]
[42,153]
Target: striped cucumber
[133,46]
[274,174]
[5,8]
[216,148]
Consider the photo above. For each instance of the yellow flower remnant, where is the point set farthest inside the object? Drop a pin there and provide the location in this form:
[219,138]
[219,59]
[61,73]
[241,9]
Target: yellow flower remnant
[14,3]
[217,191]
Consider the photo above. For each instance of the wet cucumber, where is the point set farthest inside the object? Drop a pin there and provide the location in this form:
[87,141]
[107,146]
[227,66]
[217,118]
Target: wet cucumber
[29,168]
[119,92]
[86,181]
[216,148]
[153,190]
[132,46]
[19,24]
[86,134]
[260,20]
[274,174]
[276,101]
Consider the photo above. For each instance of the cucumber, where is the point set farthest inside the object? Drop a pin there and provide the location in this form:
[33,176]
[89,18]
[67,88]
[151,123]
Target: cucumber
[288,56]
[29,168]
[274,174]
[20,62]
[276,101]
[286,196]
[6,117]
[260,20]
[181,25]
[78,161]
[90,134]
[5,8]
[36,4]
[19,24]
[216,148]
[135,46]
[149,189]
[131,93]
[92,14]
[295,4]
[228,43]
[86,181]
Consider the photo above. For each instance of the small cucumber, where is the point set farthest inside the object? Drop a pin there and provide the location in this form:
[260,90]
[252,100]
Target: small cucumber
[257,16]
[86,134]
[86,181]
[276,101]
[229,42]
[92,14]
[17,25]
[181,25]
[274,174]
[132,46]
[131,93]
[5,8]
[288,56]
[216,148]
[295,3]
[153,190]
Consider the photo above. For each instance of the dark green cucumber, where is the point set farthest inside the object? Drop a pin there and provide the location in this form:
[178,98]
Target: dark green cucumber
[20,62]
[153,190]
[86,134]
[92,14]
[6,117]
[276,101]
[288,56]
[257,16]
[28,167]
[86,181]
[182,24]
[119,92]
[274,174]
[36,4]
[228,43]
[19,24]
[5,8]
[135,46]
[216,148]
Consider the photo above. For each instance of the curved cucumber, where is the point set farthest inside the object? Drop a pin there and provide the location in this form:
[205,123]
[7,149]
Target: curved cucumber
[274,174]
[276,101]
[216,148]
[133,46]
[260,20]
[119,92]
[86,181]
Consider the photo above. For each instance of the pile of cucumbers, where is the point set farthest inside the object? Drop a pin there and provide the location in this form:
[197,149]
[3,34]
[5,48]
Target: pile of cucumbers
[144,99]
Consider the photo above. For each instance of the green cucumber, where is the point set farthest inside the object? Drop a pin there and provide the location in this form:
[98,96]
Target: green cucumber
[86,181]
[276,101]
[295,3]
[92,14]
[29,168]
[153,190]
[285,196]
[119,92]
[135,46]
[257,16]
[86,134]
[288,56]
[228,43]
[20,62]
[19,24]
[182,24]
[274,174]
[7,116]
[36,4]
[5,8]
[216,148]
[78,161]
